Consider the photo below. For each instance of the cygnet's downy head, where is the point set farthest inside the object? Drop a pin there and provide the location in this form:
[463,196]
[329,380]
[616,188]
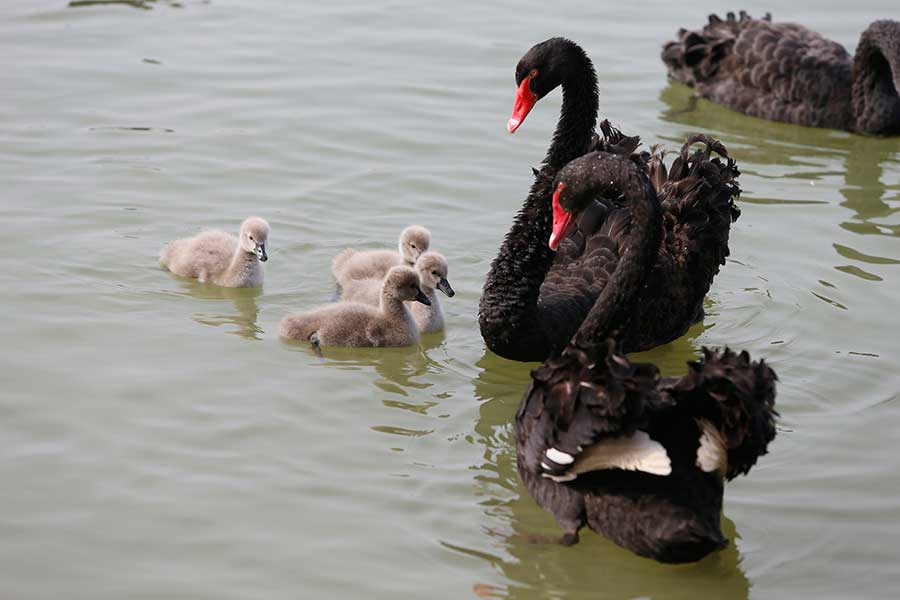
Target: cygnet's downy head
[402,283]
[254,235]
[432,270]
[414,241]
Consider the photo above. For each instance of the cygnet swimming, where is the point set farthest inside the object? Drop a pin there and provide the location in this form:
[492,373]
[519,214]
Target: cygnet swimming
[431,267]
[358,324]
[358,264]
[220,258]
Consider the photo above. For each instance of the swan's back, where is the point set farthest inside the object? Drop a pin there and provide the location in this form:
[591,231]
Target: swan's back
[352,265]
[779,71]
[201,257]
[366,291]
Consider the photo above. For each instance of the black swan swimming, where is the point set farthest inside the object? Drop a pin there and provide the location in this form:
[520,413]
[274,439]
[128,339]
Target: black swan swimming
[786,72]
[607,443]
[534,299]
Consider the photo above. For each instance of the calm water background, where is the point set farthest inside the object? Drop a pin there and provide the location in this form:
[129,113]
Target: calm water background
[159,440]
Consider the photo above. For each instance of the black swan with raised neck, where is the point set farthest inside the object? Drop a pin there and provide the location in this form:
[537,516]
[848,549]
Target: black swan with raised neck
[786,72]
[535,298]
[606,443]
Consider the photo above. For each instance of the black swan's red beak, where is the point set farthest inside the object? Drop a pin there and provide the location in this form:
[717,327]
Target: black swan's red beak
[562,219]
[525,100]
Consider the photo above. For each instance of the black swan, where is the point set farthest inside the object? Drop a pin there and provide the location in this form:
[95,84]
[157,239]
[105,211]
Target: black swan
[607,443]
[786,72]
[535,299]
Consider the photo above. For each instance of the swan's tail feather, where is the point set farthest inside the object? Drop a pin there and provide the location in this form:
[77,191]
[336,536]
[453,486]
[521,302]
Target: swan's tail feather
[738,397]
[164,255]
[338,262]
[614,141]
[698,194]
[697,55]
[168,252]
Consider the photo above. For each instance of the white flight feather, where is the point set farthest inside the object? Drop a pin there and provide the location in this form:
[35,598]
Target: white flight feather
[632,453]
[712,455]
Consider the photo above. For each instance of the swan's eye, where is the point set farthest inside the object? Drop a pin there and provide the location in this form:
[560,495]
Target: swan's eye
[434,273]
[413,246]
[533,74]
[251,237]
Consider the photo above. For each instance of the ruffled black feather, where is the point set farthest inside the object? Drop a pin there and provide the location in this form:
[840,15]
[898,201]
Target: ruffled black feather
[737,396]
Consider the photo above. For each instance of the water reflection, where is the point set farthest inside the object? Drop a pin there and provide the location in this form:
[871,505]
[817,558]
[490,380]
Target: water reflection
[814,153]
[599,569]
[243,299]
[865,188]
[142,4]
[402,370]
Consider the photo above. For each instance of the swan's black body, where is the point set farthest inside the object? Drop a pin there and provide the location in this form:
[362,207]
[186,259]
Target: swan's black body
[592,394]
[534,299]
[786,72]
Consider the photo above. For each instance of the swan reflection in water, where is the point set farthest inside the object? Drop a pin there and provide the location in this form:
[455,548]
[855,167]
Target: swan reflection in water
[243,300]
[870,166]
[401,370]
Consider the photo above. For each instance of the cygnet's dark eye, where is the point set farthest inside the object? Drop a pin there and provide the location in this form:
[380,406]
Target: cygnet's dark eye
[413,245]
[435,273]
[533,74]
[251,238]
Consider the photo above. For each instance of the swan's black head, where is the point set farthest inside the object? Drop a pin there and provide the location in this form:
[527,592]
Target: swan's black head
[547,65]
[574,188]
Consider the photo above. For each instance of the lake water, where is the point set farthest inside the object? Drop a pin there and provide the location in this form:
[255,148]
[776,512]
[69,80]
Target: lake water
[160,441]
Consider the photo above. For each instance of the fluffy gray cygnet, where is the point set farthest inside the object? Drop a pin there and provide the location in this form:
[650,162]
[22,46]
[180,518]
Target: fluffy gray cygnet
[220,258]
[432,270]
[357,324]
[355,264]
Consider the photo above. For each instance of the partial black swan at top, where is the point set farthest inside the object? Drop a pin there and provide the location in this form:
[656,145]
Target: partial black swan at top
[786,72]
[607,443]
[534,299]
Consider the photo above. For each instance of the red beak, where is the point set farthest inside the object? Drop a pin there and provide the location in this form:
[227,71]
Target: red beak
[525,100]
[562,220]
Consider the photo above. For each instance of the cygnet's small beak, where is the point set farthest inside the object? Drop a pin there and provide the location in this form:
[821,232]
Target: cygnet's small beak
[421,297]
[261,253]
[444,286]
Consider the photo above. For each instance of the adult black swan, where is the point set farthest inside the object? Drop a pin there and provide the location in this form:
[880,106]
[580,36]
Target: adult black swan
[534,298]
[786,72]
[607,443]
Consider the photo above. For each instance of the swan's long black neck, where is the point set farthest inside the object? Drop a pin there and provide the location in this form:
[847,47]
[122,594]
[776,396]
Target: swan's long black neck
[508,312]
[509,315]
[577,118]
[876,79]
[614,306]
